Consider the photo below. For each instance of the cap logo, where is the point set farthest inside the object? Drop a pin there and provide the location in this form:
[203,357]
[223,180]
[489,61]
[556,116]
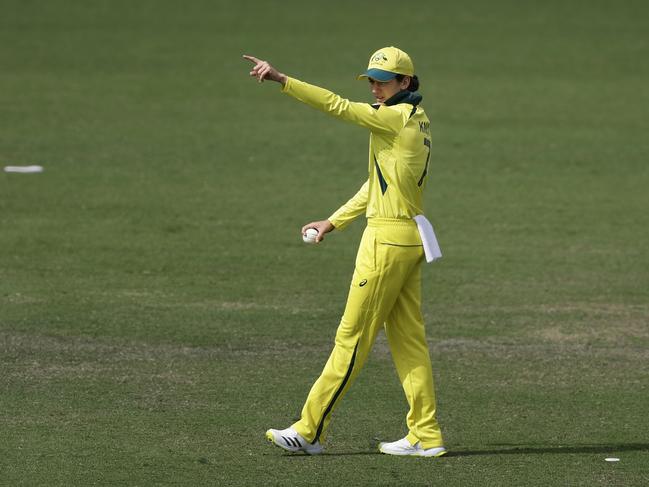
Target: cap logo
[379,57]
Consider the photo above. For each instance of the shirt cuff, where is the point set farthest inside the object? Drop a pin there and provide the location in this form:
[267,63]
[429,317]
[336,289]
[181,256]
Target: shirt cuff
[339,224]
[286,86]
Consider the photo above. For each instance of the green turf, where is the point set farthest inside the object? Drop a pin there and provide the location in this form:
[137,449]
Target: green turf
[158,310]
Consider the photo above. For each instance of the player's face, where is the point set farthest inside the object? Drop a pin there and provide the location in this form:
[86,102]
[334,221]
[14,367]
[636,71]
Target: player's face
[384,90]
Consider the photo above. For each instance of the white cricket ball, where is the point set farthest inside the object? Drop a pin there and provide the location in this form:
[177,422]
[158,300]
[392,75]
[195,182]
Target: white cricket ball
[310,235]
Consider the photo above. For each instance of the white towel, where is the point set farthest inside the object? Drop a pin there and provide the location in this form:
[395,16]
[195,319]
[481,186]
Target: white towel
[428,239]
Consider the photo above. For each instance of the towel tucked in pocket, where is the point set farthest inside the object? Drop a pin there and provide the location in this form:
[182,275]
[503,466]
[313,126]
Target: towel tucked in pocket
[428,239]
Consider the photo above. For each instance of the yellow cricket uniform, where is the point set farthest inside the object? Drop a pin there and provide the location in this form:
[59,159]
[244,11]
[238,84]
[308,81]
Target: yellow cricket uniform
[386,285]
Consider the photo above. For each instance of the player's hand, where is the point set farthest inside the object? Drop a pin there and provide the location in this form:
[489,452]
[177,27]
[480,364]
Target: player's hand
[263,70]
[323,226]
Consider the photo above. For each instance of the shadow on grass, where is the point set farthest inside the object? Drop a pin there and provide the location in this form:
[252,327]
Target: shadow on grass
[329,454]
[508,449]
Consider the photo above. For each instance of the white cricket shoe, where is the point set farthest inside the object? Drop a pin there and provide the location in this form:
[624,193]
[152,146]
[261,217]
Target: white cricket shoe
[291,440]
[403,447]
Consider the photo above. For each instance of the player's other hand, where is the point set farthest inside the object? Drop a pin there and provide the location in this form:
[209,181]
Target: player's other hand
[323,226]
[263,70]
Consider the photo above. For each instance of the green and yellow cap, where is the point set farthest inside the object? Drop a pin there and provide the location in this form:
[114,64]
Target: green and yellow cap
[386,63]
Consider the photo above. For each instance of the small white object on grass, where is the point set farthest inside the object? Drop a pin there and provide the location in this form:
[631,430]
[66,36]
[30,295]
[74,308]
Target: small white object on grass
[310,235]
[612,459]
[24,169]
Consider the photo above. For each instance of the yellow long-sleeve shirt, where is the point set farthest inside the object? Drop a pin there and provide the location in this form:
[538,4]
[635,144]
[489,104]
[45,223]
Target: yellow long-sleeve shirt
[399,152]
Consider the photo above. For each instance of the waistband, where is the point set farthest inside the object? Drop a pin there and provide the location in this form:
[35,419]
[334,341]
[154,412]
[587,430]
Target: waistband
[391,222]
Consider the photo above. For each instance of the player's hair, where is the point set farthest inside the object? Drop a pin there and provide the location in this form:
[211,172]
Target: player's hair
[414,81]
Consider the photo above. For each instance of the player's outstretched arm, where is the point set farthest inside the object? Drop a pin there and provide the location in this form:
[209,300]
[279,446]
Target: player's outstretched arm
[322,226]
[391,121]
[263,70]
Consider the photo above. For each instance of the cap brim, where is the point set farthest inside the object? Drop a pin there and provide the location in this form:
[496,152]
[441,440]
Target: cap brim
[378,75]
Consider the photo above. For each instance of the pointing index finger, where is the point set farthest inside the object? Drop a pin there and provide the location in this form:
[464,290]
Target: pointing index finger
[252,59]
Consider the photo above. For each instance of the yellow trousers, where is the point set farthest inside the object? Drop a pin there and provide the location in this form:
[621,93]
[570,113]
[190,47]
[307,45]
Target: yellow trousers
[385,291]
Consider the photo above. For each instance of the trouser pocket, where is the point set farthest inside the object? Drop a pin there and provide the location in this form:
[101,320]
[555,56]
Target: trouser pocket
[366,261]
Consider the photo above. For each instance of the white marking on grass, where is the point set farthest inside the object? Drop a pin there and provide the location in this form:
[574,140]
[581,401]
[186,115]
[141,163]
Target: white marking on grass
[24,169]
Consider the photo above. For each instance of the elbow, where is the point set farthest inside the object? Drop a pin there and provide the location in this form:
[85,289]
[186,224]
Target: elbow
[337,106]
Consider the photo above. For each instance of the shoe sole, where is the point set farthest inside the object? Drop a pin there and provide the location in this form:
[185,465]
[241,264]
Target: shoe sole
[440,454]
[414,454]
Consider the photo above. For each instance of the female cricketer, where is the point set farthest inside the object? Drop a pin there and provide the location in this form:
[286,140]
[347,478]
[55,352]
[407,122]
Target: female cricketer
[386,284]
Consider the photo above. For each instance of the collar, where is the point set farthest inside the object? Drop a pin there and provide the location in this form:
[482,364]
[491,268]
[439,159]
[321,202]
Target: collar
[404,96]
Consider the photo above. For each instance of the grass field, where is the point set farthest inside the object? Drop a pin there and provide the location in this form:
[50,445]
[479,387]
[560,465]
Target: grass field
[158,310]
